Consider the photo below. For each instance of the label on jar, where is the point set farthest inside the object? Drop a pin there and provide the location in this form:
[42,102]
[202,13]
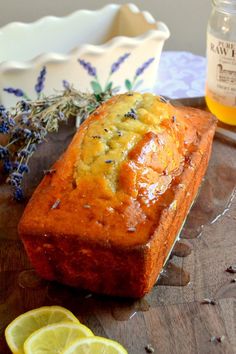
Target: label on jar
[221,70]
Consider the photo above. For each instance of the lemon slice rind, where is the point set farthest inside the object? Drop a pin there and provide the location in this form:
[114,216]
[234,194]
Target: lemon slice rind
[55,338]
[24,325]
[95,344]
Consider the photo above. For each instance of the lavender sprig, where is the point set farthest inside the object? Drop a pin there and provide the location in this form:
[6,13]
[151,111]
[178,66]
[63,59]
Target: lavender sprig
[40,81]
[38,87]
[3,152]
[65,84]
[6,122]
[132,85]
[27,124]
[88,67]
[116,65]
[131,114]
[143,67]
[15,91]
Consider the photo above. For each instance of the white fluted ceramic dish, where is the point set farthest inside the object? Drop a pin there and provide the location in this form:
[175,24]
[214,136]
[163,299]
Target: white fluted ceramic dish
[116,46]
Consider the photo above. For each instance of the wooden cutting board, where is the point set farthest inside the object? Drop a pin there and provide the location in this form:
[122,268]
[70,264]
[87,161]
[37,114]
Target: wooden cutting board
[172,319]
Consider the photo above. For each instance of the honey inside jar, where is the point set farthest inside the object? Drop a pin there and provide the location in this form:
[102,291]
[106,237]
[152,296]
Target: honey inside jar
[221,61]
[226,114]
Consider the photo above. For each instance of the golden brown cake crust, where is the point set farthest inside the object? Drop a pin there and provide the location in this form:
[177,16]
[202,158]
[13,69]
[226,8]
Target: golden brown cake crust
[123,189]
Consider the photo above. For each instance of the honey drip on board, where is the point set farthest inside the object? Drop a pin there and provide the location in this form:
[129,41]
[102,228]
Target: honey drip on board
[216,195]
[228,290]
[173,275]
[30,279]
[123,311]
[182,248]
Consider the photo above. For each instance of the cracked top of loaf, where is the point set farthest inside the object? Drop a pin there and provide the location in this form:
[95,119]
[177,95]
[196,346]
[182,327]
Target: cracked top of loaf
[117,174]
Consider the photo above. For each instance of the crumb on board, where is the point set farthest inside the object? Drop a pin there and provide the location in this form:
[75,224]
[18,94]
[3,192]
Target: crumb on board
[149,348]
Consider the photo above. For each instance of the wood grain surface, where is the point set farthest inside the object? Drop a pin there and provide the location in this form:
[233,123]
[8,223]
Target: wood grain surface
[172,319]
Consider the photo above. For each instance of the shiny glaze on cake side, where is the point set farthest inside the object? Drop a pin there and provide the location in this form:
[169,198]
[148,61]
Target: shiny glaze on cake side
[122,173]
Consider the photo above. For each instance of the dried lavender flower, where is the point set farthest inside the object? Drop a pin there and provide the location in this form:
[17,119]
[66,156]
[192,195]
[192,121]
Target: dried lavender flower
[66,84]
[49,172]
[149,348]
[131,114]
[40,80]
[18,194]
[4,128]
[15,91]
[220,339]
[7,166]
[15,179]
[6,121]
[231,269]
[86,206]
[24,106]
[27,124]
[23,168]
[3,152]
[2,108]
[56,204]
[131,229]
[208,302]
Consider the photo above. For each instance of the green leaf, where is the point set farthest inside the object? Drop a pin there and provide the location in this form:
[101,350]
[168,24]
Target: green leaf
[128,84]
[96,87]
[138,84]
[109,86]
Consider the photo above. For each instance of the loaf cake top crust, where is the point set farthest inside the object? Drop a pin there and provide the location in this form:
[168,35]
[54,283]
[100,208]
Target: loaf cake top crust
[118,174]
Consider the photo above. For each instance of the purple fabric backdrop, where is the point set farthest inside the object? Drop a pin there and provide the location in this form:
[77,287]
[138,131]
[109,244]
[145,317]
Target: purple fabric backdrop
[181,75]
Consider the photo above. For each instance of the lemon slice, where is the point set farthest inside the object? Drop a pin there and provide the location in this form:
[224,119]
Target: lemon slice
[98,345]
[54,338]
[24,325]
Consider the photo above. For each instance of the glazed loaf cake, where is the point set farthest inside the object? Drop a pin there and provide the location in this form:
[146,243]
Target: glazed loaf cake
[108,217]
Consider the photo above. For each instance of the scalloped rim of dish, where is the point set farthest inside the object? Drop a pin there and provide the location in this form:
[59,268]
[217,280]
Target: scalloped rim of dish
[88,48]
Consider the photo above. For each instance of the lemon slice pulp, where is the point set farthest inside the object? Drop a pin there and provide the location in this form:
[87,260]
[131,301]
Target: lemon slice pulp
[24,325]
[54,338]
[92,345]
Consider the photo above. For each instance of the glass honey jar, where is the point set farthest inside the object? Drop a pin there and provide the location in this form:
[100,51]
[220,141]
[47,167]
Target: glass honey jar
[221,61]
